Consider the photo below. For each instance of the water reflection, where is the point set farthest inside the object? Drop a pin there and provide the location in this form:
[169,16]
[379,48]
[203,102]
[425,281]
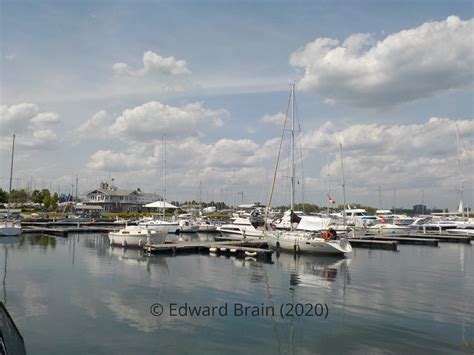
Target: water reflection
[7,243]
[43,241]
[314,271]
[137,257]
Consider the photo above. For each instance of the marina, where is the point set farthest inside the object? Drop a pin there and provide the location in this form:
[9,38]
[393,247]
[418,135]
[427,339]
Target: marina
[59,274]
[234,177]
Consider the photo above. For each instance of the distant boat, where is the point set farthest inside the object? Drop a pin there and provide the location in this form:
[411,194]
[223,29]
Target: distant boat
[10,227]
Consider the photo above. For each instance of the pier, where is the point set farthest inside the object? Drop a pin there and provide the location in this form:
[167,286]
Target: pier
[374,244]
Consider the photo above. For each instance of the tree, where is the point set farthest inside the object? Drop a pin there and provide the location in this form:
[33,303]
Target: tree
[46,199]
[3,195]
[54,202]
[19,196]
[37,196]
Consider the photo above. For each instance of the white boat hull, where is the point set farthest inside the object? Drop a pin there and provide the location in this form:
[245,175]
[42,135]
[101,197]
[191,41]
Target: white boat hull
[302,244]
[171,227]
[10,229]
[388,231]
[137,237]
[465,231]
[240,235]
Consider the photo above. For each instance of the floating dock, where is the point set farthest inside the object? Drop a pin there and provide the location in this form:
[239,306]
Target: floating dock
[406,240]
[374,244]
[64,232]
[256,249]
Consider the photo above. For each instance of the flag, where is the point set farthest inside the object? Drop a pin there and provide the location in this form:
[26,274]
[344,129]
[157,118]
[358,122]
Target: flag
[331,200]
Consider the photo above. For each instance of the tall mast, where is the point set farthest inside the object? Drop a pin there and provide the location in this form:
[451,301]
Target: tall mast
[11,176]
[164,174]
[380,197]
[292,161]
[422,201]
[233,193]
[328,187]
[344,216]
[461,207]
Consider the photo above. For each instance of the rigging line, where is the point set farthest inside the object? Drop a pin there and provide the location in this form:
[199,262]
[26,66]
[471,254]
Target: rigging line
[276,164]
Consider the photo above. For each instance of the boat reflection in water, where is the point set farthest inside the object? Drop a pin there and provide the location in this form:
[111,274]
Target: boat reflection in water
[313,271]
[136,257]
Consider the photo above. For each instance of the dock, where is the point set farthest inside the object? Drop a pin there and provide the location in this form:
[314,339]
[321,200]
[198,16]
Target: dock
[374,244]
[256,249]
[407,240]
[64,232]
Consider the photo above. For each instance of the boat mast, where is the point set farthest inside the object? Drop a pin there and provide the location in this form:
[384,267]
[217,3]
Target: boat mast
[164,175]
[328,187]
[344,215]
[461,207]
[292,161]
[380,197]
[11,176]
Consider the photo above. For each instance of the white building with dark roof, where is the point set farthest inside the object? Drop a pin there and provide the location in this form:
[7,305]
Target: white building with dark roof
[111,199]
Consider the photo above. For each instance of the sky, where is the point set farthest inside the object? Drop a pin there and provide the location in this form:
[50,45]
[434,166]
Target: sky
[91,88]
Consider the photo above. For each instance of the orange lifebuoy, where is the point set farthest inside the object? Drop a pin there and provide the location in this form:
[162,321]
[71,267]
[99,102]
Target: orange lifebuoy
[328,235]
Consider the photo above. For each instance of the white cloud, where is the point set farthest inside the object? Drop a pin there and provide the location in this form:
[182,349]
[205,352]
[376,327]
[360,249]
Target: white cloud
[153,62]
[153,119]
[45,118]
[405,66]
[409,156]
[277,119]
[29,125]
[97,126]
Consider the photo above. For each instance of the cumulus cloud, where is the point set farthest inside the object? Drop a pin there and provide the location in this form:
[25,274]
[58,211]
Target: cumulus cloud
[410,155]
[29,124]
[153,119]
[411,64]
[97,126]
[276,119]
[153,63]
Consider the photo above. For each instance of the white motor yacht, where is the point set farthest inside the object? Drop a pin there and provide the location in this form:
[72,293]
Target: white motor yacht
[136,236]
[240,228]
[157,224]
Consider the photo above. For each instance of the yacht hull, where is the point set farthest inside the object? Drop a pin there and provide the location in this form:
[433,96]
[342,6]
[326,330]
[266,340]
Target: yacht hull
[309,245]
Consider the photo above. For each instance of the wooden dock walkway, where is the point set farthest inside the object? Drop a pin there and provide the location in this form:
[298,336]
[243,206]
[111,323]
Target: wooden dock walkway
[255,249]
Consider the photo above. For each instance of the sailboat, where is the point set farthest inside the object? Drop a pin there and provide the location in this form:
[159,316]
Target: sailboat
[325,242]
[10,227]
[158,224]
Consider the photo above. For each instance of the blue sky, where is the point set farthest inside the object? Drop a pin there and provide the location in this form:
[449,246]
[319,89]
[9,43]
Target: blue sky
[239,58]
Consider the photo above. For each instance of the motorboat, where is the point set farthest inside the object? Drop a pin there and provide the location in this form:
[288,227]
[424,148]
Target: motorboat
[380,228]
[137,236]
[206,226]
[240,228]
[187,226]
[158,224]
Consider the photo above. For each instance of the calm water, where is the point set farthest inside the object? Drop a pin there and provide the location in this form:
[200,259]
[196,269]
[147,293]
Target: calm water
[78,295]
